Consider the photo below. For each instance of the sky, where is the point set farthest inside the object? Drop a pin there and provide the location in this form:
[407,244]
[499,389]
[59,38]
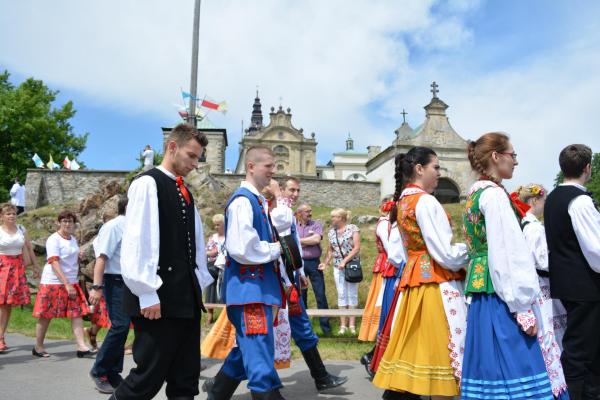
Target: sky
[528,68]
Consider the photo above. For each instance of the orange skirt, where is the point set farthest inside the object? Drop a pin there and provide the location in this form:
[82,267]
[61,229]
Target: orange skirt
[220,339]
[13,282]
[53,301]
[370,318]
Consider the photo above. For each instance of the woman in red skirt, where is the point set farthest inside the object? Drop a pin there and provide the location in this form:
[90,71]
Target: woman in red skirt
[59,294]
[15,255]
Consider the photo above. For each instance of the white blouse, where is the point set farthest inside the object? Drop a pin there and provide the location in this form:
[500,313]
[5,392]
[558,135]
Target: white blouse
[437,232]
[140,245]
[535,234]
[383,232]
[67,252]
[396,250]
[511,264]
[11,244]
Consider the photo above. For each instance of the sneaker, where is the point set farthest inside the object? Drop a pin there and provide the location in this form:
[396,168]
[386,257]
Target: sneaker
[102,384]
[115,380]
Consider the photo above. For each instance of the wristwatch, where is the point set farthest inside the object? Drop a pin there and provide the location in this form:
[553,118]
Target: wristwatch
[97,287]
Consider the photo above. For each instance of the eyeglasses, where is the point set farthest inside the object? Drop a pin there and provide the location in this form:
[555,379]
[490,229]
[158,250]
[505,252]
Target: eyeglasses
[513,155]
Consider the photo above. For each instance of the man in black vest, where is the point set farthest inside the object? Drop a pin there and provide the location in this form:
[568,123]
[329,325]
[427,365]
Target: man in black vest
[573,233]
[164,267]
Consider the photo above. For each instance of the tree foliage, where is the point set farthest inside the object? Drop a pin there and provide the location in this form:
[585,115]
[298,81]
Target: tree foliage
[593,185]
[30,123]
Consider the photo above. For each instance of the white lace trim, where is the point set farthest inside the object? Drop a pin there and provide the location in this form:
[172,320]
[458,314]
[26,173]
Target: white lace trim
[456,313]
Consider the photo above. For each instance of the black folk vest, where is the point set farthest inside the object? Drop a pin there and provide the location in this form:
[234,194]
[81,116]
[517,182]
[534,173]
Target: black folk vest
[180,294]
[571,277]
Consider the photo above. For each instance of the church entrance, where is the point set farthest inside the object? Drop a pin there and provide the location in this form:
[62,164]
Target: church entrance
[447,191]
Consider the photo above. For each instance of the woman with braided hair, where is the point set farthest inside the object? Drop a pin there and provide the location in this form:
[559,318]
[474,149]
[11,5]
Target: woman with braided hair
[423,356]
[502,358]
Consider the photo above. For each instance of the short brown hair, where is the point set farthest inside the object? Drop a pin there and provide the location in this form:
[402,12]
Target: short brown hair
[253,151]
[573,159]
[66,214]
[480,151]
[7,206]
[285,180]
[185,132]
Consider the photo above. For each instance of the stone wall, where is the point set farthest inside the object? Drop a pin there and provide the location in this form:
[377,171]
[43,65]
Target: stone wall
[321,192]
[43,187]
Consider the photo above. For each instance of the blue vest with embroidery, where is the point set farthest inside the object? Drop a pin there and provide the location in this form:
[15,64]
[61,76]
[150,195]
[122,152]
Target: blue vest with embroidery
[246,284]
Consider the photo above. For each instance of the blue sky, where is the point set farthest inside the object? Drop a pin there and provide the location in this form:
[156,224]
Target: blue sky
[525,67]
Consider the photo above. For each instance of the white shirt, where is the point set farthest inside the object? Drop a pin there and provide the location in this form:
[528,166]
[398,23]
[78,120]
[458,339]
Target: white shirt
[241,241]
[11,244]
[283,218]
[108,242]
[383,232]
[17,195]
[437,232]
[535,234]
[148,157]
[586,224]
[141,242]
[510,261]
[396,251]
[67,252]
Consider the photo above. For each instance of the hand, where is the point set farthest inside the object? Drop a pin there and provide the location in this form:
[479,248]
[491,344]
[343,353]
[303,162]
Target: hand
[322,267]
[342,265]
[35,272]
[152,312]
[274,188]
[532,330]
[71,290]
[303,282]
[95,296]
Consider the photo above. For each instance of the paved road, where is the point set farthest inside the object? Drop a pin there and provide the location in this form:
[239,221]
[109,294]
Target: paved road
[63,376]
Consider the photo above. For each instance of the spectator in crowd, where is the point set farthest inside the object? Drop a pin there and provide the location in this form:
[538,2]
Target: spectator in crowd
[17,196]
[148,156]
[344,246]
[15,255]
[59,294]
[311,233]
[215,251]
[108,284]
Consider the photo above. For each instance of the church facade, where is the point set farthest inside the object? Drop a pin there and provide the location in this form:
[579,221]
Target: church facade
[294,153]
[437,133]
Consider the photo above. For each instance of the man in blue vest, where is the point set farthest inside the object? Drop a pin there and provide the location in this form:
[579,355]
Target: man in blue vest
[252,288]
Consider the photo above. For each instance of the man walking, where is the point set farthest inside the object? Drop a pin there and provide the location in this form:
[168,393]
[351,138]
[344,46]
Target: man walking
[108,282]
[17,196]
[311,233]
[163,263]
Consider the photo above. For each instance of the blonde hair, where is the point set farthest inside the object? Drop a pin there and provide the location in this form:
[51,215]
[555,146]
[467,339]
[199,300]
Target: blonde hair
[218,218]
[531,191]
[341,212]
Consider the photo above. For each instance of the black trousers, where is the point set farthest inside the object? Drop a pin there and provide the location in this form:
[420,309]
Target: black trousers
[166,349]
[581,343]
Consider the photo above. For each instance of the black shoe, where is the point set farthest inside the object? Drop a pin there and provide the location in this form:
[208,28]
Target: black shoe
[221,387]
[366,361]
[272,395]
[115,380]
[330,382]
[87,353]
[393,395]
[102,384]
[323,379]
[181,398]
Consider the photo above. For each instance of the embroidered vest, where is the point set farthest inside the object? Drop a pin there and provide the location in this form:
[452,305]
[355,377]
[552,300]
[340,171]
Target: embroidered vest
[421,267]
[246,284]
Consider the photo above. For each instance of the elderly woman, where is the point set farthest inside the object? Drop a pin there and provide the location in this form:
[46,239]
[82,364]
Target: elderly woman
[59,294]
[15,254]
[344,246]
[215,251]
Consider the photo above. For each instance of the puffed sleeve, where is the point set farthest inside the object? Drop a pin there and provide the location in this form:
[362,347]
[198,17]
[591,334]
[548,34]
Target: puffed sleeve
[396,252]
[202,274]
[586,224]
[535,235]
[383,227]
[437,232]
[509,258]
[140,244]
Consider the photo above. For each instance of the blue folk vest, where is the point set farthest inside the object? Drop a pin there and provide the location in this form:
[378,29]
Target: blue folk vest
[247,284]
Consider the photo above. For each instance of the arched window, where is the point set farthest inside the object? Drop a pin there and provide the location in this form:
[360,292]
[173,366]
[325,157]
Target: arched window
[356,177]
[281,151]
[447,191]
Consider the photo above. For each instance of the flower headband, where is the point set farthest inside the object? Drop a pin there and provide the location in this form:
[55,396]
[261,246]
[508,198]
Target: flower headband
[386,207]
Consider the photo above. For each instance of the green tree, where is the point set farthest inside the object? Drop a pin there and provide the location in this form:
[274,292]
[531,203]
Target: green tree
[30,123]
[593,184]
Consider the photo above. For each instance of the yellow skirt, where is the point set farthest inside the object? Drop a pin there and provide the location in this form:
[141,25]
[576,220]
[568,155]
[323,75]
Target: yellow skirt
[417,359]
[370,318]
[220,339]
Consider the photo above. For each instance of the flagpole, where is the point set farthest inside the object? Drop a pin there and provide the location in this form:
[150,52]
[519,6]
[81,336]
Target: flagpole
[194,77]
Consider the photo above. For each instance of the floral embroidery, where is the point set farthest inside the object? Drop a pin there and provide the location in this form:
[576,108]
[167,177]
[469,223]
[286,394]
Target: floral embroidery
[477,283]
[255,319]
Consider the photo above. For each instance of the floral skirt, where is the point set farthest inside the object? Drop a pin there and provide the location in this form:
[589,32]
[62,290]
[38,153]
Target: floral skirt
[53,301]
[13,282]
[370,318]
[99,316]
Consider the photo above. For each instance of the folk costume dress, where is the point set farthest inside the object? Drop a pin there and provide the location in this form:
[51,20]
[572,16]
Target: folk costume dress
[370,319]
[424,354]
[551,314]
[501,361]
[13,282]
[53,300]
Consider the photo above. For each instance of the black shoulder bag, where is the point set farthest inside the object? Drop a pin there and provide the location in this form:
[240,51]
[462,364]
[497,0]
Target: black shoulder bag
[352,270]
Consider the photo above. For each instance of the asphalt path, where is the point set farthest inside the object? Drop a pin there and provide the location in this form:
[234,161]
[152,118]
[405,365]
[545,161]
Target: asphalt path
[64,376]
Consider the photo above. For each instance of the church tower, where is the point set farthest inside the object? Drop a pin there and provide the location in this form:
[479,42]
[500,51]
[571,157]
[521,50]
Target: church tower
[256,120]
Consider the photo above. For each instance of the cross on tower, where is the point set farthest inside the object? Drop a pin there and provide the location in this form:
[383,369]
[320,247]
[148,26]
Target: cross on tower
[434,89]
[403,115]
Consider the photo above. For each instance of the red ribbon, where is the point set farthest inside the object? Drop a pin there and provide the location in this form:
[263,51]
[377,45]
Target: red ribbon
[183,189]
[521,206]
[387,207]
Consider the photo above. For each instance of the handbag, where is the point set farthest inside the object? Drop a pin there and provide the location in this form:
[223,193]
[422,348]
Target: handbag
[352,270]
